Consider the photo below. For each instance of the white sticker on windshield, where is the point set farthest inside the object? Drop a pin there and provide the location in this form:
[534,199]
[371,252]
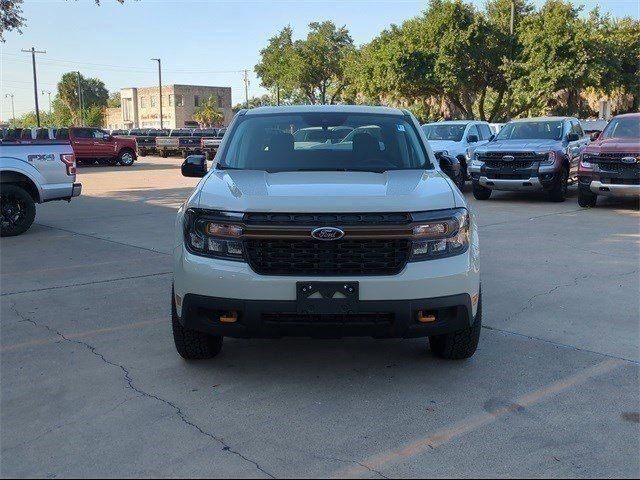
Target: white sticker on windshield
[401,127]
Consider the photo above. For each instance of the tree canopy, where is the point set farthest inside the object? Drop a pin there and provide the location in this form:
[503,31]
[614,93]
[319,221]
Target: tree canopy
[313,66]
[208,114]
[455,60]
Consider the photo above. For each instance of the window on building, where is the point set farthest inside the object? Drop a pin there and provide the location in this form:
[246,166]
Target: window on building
[179,100]
[196,100]
[154,101]
[220,102]
[170,103]
[144,102]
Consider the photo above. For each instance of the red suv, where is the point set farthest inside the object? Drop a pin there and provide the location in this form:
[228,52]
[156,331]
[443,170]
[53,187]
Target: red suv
[611,164]
[94,144]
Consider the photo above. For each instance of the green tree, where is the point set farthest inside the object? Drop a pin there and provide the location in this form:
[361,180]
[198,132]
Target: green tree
[94,93]
[277,59]
[555,56]
[208,114]
[10,17]
[313,66]
[114,100]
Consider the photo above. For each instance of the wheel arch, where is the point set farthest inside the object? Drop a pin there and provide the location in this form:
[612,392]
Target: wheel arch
[14,177]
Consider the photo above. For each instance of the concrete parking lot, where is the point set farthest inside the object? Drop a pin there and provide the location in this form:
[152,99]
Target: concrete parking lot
[91,384]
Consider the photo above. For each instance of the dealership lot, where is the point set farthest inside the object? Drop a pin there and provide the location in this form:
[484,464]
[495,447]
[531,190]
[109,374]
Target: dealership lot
[92,385]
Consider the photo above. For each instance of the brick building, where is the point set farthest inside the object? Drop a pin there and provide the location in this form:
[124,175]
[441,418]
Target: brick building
[140,107]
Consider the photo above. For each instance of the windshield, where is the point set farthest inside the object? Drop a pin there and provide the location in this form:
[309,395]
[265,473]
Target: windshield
[444,131]
[547,130]
[377,143]
[623,127]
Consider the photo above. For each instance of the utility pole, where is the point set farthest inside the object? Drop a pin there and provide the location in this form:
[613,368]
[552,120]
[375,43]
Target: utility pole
[13,107]
[33,52]
[80,106]
[246,87]
[159,86]
[278,94]
[48,92]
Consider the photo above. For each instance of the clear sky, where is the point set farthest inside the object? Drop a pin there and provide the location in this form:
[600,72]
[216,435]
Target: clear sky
[200,42]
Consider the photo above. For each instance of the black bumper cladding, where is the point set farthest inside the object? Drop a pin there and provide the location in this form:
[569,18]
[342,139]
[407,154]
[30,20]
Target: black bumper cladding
[370,318]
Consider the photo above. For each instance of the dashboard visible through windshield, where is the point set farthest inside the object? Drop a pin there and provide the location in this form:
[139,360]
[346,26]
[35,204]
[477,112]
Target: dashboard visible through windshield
[324,142]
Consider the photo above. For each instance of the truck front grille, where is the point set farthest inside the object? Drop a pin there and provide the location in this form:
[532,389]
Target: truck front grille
[612,162]
[520,159]
[316,257]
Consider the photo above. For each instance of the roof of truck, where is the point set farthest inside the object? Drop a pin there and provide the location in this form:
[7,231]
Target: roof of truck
[354,109]
[542,119]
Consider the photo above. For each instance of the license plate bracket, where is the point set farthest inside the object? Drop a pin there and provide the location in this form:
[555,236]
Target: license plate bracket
[327,297]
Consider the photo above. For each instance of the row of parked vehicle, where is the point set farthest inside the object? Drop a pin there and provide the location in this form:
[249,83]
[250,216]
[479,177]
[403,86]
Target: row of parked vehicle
[181,141]
[544,154]
[89,144]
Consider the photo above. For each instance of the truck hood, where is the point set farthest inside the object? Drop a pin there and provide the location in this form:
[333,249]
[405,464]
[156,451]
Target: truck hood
[260,191]
[520,145]
[614,145]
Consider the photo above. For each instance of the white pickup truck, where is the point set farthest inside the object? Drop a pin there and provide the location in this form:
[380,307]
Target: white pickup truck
[33,173]
[367,236]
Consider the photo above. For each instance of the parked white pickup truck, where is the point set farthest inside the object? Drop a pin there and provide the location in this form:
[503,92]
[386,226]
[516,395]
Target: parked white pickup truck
[33,173]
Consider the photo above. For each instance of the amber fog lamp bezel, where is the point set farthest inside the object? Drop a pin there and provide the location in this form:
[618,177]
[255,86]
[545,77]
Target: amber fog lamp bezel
[215,229]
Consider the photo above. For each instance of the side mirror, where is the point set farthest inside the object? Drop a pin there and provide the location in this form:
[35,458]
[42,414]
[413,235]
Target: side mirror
[194,166]
[473,139]
[450,166]
[106,137]
[595,136]
[492,137]
[573,137]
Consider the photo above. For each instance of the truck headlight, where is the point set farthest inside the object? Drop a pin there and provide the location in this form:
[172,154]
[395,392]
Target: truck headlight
[550,160]
[586,162]
[476,162]
[207,235]
[444,233]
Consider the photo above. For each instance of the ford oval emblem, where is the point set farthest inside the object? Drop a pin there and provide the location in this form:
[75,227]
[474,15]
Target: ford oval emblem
[629,160]
[508,158]
[327,234]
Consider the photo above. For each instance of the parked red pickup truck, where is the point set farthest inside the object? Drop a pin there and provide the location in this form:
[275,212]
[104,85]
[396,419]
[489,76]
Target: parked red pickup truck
[93,144]
[610,165]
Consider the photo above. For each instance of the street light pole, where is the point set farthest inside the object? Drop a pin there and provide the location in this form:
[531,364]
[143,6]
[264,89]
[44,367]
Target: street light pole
[159,86]
[33,52]
[81,116]
[48,92]
[13,107]
[246,88]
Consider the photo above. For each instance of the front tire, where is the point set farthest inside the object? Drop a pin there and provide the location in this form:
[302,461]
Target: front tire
[17,210]
[126,157]
[460,344]
[558,192]
[586,198]
[480,192]
[191,344]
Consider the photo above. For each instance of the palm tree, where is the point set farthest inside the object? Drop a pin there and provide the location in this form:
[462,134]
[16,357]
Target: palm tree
[208,114]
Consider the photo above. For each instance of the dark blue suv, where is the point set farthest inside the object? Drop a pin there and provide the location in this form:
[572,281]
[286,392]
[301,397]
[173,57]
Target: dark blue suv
[532,154]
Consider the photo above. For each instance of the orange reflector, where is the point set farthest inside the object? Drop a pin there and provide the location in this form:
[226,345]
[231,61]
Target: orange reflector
[474,299]
[178,300]
[425,317]
[229,317]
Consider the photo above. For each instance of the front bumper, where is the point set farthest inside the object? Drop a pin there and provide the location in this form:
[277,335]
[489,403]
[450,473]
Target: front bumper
[532,183]
[387,305]
[536,177]
[375,318]
[614,190]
